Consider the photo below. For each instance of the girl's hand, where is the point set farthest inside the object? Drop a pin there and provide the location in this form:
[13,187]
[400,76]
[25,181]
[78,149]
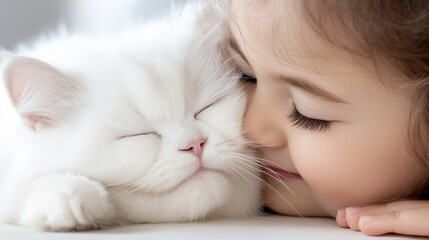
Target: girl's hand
[402,217]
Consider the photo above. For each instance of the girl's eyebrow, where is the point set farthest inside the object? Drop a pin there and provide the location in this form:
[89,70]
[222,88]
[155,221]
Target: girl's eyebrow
[310,88]
[295,81]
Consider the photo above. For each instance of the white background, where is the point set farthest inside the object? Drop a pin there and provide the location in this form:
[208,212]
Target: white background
[23,20]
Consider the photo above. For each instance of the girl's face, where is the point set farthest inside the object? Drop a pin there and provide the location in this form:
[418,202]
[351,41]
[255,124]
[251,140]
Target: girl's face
[319,113]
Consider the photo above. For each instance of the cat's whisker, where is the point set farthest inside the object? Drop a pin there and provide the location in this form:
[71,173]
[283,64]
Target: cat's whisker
[228,167]
[266,160]
[233,167]
[255,144]
[232,139]
[258,166]
[269,185]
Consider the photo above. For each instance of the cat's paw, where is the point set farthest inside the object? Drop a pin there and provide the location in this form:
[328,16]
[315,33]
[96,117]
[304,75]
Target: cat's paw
[67,202]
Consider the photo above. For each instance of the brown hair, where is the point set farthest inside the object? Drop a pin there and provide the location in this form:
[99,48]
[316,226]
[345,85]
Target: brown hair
[392,30]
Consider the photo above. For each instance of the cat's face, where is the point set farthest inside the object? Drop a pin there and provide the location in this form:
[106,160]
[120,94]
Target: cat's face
[156,121]
[170,121]
[165,129]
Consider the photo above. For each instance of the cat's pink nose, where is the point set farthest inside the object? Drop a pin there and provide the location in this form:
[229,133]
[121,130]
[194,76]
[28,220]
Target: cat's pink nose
[195,147]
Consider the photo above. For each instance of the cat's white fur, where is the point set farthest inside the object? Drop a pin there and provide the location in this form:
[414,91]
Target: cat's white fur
[95,130]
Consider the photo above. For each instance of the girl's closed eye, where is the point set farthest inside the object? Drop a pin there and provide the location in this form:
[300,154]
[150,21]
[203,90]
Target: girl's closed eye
[307,123]
[247,78]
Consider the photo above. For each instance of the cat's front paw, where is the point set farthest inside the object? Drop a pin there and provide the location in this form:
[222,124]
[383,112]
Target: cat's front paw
[67,202]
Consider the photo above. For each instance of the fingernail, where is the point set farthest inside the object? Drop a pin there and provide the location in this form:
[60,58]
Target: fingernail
[364,220]
[341,218]
[353,210]
[341,213]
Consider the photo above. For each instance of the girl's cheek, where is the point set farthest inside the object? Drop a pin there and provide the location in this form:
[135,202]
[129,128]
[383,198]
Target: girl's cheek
[330,169]
[345,173]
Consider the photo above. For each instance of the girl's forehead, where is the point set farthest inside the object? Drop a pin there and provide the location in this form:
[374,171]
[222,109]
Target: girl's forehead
[276,33]
[282,43]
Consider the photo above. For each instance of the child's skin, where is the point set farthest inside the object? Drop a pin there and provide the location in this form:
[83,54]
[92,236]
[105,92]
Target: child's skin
[353,153]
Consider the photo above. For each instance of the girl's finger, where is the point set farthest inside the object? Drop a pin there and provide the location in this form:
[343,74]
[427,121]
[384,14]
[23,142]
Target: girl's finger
[413,221]
[354,213]
[341,218]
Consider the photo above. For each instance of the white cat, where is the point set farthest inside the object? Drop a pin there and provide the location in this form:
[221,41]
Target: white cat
[134,127]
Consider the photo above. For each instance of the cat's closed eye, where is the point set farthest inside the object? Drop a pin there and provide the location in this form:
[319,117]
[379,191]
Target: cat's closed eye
[206,107]
[138,135]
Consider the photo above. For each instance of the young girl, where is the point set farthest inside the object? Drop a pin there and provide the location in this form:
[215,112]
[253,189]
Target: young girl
[339,108]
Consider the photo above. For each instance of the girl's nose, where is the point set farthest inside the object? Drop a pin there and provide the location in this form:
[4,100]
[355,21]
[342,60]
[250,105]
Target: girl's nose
[263,123]
[195,147]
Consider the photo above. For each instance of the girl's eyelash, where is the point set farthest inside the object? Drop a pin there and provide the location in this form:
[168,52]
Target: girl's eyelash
[246,78]
[296,117]
[312,124]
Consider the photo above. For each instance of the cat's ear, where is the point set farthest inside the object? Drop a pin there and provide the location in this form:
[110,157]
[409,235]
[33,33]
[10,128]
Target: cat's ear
[41,94]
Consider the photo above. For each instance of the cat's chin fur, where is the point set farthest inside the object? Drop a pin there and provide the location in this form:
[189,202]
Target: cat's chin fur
[95,130]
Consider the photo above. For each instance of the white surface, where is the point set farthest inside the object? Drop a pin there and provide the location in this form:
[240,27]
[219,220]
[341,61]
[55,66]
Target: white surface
[263,228]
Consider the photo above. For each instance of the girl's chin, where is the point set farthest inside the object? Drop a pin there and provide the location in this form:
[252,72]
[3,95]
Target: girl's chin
[292,198]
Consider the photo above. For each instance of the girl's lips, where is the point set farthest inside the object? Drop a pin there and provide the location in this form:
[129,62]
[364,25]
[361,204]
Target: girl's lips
[280,173]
